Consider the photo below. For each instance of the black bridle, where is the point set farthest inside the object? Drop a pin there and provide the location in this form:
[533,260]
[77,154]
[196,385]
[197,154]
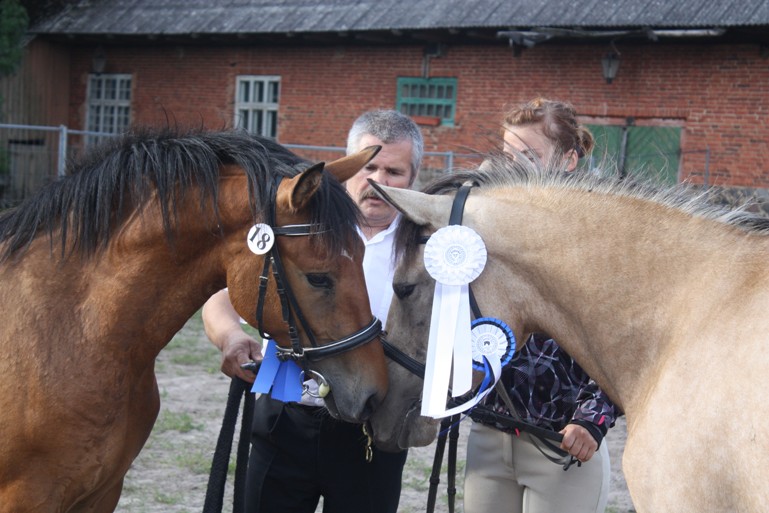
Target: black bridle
[480,412]
[290,307]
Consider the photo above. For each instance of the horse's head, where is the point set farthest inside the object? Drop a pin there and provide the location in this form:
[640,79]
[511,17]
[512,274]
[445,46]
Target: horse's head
[398,423]
[319,260]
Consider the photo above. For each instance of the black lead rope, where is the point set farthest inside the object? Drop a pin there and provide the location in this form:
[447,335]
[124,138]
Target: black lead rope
[435,474]
[214,501]
[452,469]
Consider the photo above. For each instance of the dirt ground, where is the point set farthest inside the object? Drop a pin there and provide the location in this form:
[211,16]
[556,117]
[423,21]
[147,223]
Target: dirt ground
[171,473]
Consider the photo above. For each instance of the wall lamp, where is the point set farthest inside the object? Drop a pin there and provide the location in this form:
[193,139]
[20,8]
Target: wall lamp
[610,64]
[99,61]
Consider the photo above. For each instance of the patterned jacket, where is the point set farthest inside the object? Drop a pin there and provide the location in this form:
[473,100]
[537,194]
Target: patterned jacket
[549,390]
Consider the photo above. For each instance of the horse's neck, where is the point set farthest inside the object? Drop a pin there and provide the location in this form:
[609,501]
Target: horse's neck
[148,292]
[607,277]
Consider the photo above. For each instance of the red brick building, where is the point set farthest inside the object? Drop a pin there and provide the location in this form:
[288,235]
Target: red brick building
[690,99]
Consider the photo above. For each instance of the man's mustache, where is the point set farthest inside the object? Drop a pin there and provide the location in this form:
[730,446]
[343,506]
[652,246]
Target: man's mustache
[369,192]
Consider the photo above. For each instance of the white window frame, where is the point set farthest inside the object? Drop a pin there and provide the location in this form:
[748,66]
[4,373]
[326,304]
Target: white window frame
[108,113]
[257,98]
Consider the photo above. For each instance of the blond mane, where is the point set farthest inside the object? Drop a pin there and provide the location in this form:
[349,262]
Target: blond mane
[502,171]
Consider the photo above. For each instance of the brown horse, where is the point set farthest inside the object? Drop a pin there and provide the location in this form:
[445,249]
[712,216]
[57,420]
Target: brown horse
[101,269]
[660,296]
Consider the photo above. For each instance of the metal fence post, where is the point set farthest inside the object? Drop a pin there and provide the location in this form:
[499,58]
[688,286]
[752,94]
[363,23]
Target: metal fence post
[61,164]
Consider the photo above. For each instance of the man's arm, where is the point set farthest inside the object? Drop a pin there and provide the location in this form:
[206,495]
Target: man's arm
[224,330]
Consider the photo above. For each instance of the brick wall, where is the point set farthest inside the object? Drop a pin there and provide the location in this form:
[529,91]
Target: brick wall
[718,93]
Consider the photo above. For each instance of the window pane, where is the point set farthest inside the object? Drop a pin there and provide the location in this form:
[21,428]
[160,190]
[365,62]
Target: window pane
[125,89]
[244,91]
[109,118]
[124,118]
[272,124]
[110,89]
[259,122]
[274,92]
[96,92]
[94,113]
[259,92]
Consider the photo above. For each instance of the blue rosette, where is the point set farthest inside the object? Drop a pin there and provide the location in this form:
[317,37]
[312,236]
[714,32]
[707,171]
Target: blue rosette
[491,338]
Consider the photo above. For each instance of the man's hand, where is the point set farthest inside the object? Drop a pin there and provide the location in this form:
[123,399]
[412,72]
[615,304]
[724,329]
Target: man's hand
[240,348]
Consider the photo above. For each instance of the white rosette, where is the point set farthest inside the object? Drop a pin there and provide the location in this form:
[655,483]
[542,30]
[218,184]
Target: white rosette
[454,256]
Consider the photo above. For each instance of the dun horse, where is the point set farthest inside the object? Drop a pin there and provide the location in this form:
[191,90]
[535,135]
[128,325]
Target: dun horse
[101,269]
[660,297]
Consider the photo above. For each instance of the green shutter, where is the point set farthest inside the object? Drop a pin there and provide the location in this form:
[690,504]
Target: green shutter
[651,151]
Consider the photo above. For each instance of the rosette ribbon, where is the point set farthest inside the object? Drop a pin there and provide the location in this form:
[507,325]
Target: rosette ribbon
[454,256]
[281,378]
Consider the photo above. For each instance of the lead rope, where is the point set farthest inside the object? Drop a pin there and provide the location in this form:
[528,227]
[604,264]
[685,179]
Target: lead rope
[435,474]
[451,490]
[219,464]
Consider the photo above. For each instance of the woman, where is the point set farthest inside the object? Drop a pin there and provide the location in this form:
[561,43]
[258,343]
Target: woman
[510,472]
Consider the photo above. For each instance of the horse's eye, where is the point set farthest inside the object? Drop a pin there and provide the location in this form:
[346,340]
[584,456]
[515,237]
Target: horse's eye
[403,290]
[321,281]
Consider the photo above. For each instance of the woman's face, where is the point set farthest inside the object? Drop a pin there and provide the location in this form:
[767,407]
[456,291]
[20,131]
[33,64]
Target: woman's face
[529,141]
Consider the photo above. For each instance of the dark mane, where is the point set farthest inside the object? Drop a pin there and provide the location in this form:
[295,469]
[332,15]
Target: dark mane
[502,171]
[82,211]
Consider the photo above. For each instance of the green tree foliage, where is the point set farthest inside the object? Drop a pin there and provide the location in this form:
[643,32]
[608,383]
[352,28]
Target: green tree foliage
[13,24]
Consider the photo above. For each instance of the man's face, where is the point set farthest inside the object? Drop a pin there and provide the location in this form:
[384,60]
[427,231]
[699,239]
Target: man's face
[391,167]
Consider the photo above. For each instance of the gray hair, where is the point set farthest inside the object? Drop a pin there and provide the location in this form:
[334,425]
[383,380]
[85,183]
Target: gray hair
[388,126]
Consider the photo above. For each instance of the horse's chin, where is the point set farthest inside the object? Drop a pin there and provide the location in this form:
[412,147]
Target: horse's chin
[414,431]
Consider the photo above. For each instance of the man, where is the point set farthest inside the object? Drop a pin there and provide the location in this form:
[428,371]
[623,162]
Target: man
[299,453]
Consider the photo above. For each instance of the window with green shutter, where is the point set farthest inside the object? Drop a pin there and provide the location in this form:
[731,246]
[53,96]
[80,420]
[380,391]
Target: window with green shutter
[430,97]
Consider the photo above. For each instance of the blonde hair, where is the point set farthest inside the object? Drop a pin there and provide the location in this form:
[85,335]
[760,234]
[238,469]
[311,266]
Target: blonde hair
[558,121]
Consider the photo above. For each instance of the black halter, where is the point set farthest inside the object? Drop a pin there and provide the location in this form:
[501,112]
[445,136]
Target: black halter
[480,412]
[290,307]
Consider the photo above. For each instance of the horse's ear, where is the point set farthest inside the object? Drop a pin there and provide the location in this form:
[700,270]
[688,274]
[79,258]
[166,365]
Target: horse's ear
[423,209]
[299,189]
[346,167]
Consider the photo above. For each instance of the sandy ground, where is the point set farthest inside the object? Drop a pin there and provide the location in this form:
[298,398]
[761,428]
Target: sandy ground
[171,473]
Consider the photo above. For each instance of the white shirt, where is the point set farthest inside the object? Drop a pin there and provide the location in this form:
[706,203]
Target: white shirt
[379,268]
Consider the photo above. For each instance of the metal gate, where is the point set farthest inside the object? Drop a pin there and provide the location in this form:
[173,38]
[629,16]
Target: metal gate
[32,156]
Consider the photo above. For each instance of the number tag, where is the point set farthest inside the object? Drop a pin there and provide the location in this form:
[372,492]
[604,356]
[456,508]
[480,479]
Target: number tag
[260,238]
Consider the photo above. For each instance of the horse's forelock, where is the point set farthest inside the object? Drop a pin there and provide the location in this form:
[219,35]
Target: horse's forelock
[335,216]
